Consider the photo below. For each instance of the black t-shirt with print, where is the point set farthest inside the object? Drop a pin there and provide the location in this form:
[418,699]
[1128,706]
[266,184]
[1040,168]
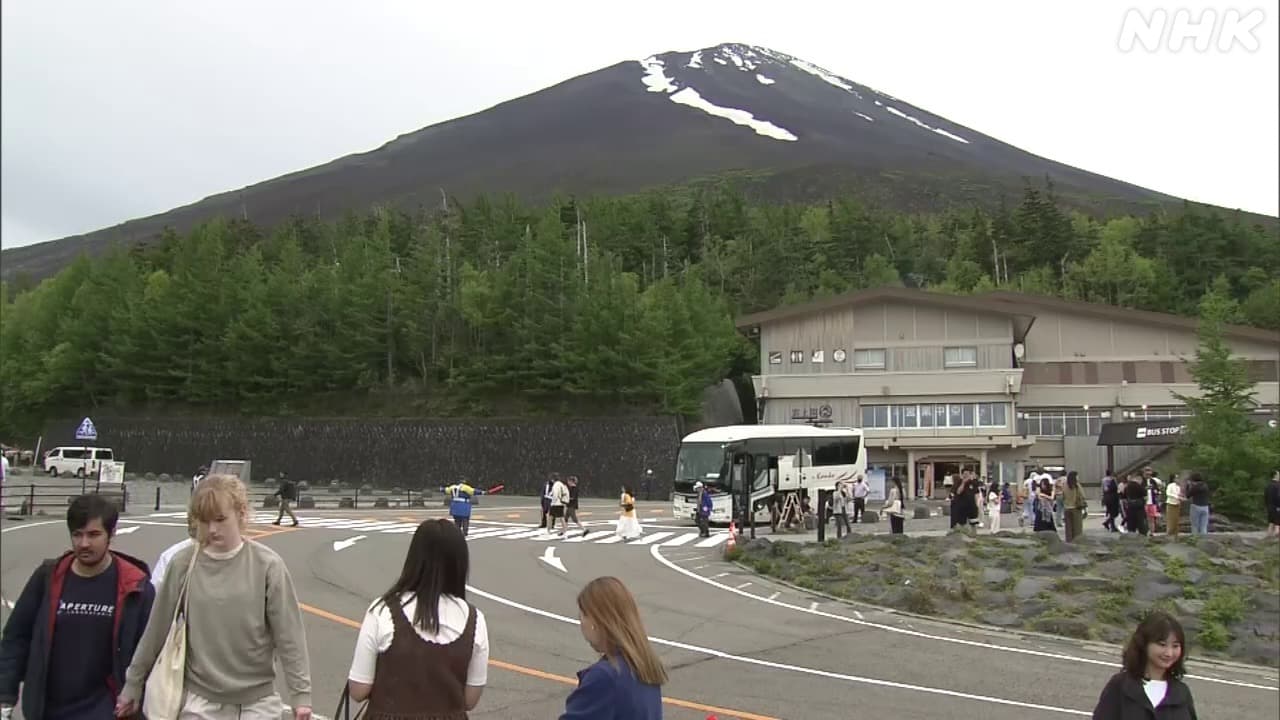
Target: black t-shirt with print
[81,658]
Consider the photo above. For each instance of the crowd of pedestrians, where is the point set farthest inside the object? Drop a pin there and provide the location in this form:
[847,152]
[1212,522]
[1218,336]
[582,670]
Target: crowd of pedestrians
[97,634]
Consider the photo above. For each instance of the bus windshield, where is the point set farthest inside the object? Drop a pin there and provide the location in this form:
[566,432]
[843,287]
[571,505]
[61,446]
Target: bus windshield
[699,462]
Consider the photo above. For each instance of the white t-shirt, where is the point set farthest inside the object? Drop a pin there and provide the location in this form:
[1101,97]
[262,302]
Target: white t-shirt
[157,572]
[377,631]
[1155,690]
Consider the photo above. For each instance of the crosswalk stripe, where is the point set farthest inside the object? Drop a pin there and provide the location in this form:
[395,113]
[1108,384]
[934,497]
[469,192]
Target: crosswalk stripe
[489,532]
[681,540]
[590,537]
[650,539]
[609,540]
[524,534]
[713,541]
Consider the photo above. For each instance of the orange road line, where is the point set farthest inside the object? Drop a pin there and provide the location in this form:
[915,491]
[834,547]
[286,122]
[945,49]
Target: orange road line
[478,517]
[543,675]
[259,534]
[585,514]
[513,516]
[406,518]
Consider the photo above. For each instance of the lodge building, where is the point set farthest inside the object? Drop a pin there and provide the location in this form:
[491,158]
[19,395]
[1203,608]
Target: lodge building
[995,382]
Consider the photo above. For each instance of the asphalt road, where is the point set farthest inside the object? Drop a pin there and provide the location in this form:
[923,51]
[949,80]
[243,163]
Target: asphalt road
[736,646]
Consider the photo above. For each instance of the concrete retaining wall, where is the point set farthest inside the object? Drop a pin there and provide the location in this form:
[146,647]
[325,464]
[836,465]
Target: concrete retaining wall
[603,452]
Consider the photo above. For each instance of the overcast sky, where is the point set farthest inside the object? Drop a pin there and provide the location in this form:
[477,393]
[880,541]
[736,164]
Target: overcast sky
[116,110]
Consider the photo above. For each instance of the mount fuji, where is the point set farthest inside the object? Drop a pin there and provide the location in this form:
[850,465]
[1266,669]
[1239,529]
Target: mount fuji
[792,129]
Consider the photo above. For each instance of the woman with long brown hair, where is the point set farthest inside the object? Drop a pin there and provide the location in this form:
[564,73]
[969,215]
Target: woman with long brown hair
[1150,685]
[626,684]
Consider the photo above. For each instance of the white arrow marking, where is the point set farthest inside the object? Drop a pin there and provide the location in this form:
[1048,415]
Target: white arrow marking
[127,529]
[344,544]
[549,557]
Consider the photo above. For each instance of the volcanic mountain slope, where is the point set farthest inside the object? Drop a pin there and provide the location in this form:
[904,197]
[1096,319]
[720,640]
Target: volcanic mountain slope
[639,124]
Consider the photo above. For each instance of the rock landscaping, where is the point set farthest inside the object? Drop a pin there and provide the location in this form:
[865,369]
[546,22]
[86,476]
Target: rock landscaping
[1224,589]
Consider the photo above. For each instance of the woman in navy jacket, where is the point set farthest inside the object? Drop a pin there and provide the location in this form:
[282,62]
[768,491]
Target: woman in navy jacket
[1150,686]
[626,684]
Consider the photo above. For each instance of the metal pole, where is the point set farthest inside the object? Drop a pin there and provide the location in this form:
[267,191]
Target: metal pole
[157,498]
[822,515]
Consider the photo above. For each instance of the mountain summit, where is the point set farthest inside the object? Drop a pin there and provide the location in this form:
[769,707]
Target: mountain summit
[795,128]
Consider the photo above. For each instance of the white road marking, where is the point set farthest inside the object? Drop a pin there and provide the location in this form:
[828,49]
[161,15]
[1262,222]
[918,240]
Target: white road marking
[590,537]
[679,540]
[784,666]
[813,605]
[650,539]
[344,544]
[771,597]
[127,529]
[713,541]
[745,584]
[549,557]
[654,551]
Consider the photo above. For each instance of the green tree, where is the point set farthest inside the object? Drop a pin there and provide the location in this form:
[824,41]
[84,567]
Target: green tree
[1221,441]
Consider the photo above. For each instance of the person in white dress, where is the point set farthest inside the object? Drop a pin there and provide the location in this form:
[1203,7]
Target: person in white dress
[628,526]
[993,506]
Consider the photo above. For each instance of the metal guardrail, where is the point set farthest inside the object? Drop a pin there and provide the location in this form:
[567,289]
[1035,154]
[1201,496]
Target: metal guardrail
[339,497]
[30,498]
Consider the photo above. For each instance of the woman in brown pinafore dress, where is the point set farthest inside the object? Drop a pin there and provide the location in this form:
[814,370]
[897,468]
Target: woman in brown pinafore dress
[433,667]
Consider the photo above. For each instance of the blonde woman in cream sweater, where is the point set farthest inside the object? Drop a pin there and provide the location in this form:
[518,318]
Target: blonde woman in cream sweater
[242,613]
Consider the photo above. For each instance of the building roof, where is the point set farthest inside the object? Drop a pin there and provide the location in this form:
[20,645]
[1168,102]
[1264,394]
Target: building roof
[1028,302]
[1022,320]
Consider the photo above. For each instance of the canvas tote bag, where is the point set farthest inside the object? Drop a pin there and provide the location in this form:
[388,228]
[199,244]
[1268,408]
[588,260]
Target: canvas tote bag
[162,699]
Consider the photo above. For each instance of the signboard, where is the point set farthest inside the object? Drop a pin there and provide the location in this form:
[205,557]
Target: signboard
[1165,431]
[110,472]
[86,431]
[875,484]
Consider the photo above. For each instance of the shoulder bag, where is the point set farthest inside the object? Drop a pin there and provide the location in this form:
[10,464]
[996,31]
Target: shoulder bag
[162,699]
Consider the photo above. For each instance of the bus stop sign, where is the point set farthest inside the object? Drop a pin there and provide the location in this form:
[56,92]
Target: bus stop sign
[86,431]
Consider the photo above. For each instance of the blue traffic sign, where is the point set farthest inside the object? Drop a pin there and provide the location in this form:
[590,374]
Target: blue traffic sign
[86,431]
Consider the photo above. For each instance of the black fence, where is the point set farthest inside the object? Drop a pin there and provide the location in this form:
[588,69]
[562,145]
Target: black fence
[32,498]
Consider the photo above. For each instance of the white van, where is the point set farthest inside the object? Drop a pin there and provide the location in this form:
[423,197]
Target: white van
[78,461]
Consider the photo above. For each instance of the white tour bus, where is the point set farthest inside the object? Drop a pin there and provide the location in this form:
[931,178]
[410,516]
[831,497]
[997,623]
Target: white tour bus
[781,460]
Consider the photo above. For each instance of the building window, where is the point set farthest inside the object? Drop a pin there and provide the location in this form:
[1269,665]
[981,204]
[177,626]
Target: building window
[797,356]
[868,359]
[1157,413]
[1062,423]
[775,358]
[817,356]
[960,357]
[953,415]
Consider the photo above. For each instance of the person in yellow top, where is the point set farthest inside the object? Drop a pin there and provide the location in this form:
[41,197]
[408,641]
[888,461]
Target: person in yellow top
[460,495]
[628,526]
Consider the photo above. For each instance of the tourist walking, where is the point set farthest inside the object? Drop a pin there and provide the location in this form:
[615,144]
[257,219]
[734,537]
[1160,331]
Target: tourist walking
[571,510]
[626,683]
[75,626]
[1044,506]
[288,494]
[1271,499]
[860,492]
[1150,684]
[1198,495]
[423,650]
[895,506]
[628,526]
[1135,500]
[841,499]
[559,507]
[1073,504]
[994,506]
[1110,500]
[1173,506]
[166,557]
[237,601]
[546,497]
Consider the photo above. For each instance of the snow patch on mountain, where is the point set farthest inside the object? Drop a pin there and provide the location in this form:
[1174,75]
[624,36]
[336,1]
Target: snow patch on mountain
[765,80]
[655,76]
[690,97]
[940,131]
[655,80]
